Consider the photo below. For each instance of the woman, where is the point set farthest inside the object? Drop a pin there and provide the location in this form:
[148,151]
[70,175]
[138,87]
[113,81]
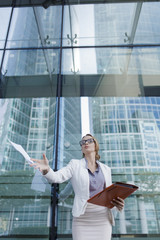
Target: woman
[88,177]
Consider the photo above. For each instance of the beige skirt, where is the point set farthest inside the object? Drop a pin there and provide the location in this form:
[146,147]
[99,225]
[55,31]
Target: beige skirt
[92,225]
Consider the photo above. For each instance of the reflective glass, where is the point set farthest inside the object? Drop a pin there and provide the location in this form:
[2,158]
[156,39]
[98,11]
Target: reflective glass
[5,15]
[1,53]
[71,133]
[145,61]
[146,31]
[94,60]
[118,61]
[31,72]
[25,198]
[35,27]
[116,80]
[99,24]
[129,144]
[31,62]
[111,71]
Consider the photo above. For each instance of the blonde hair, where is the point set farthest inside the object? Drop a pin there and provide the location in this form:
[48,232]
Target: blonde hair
[97,157]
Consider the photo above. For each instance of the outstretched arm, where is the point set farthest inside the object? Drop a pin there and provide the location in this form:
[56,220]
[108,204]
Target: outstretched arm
[59,176]
[41,165]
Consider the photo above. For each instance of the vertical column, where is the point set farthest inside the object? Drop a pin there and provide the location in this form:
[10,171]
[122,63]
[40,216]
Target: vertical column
[11,219]
[49,216]
[143,218]
[2,76]
[122,222]
[68,220]
[53,229]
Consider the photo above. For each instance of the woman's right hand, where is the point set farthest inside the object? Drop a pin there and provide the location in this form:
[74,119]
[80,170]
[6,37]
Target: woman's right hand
[42,165]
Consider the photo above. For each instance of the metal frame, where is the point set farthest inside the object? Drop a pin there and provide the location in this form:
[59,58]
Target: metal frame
[53,234]
[47,3]
[2,76]
[131,35]
[129,45]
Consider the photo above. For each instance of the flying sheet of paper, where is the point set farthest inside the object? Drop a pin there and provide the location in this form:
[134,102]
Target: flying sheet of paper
[38,182]
[20,149]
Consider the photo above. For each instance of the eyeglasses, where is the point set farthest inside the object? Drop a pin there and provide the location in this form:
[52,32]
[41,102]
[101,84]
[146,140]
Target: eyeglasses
[89,141]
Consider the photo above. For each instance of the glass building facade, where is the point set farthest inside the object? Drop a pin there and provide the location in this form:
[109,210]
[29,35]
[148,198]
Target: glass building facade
[66,69]
[129,143]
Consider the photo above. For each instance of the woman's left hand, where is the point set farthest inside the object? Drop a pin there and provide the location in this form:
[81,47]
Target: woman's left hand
[119,203]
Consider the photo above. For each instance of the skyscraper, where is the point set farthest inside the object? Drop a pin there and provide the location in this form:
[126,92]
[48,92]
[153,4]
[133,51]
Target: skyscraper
[128,130]
[109,50]
[31,122]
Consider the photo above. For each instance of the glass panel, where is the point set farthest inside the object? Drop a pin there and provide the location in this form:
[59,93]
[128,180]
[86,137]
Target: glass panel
[70,135]
[145,61]
[5,15]
[25,198]
[111,71]
[127,130]
[50,19]
[99,24]
[35,27]
[148,25]
[31,73]
[116,61]
[113,78]
[31,62]
[94,60]
[1,53]
[129,144]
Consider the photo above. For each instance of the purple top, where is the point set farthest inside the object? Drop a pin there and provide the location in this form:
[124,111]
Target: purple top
[96,179]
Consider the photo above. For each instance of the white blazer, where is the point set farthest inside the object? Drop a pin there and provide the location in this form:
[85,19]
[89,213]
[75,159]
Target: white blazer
[77,172]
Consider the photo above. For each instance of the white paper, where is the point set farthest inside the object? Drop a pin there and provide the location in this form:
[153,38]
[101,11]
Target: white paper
[38,182]
[20,149]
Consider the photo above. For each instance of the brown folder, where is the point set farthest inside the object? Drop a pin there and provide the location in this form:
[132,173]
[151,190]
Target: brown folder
[118,189]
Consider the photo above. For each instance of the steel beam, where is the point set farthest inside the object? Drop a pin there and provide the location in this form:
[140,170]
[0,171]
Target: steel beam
[48,3]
